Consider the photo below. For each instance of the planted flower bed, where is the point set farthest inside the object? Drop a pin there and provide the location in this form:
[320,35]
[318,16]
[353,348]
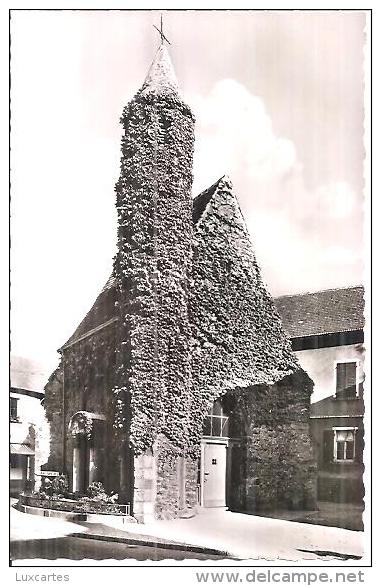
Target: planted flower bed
[83,505]
[54,495]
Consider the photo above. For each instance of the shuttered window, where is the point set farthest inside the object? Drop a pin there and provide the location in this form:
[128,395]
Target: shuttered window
[328,437]
[13,409]
[346,380]
[342,445]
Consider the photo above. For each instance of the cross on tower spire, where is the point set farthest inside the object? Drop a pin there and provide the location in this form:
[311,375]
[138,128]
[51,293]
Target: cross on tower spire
[160,31]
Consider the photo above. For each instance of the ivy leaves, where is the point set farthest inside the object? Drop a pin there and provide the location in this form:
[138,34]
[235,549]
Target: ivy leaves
[154,205]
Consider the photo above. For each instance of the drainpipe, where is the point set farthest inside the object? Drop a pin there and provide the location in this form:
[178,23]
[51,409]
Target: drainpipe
[63,416]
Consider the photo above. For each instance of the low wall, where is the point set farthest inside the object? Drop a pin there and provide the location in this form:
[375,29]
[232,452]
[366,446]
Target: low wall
[75,506]
[68,516]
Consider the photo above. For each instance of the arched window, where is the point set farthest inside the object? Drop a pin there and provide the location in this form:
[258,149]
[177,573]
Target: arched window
[216,422]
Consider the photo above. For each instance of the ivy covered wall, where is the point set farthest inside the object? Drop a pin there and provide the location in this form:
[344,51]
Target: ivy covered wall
[273,463]
[184,319]
[237,336]
[152,265]
[83,382]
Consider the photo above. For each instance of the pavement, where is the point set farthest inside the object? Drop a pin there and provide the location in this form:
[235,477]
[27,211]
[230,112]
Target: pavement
[34,536]
[77,548]
[330,514]
[251,537]
[212,531]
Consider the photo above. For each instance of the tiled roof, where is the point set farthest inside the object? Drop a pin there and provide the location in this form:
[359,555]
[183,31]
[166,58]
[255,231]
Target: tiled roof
[308,314]
[322,312]
[330,406]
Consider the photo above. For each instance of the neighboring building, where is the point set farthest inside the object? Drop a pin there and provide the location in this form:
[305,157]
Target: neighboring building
[179,387]
[326,329]
[26,422]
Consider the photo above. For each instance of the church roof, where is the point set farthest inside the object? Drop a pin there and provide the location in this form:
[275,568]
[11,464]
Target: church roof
[161,77]
[323,312]
[239,340]
[307,314]
[201,201]
[103,309]
[101,312]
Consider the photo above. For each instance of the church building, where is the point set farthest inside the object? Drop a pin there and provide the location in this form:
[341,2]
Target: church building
[179,389]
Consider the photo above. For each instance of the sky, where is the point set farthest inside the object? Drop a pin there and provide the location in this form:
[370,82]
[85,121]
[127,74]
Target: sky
[278,100]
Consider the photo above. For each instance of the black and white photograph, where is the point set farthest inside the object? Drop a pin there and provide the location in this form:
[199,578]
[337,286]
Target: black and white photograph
[190,288]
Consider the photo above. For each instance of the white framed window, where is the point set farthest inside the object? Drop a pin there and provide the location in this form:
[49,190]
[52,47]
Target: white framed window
[344,444]
[216,422]
[347,379]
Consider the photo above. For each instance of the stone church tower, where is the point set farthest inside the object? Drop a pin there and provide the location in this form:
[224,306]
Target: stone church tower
[179,388]
[152,265]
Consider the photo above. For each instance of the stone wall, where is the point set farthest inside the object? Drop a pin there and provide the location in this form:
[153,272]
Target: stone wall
[144,487]
[273,463]
[238,337]
[169,471]
[165,484]
[271,457]
[54,415]
[83,381]
[191,466]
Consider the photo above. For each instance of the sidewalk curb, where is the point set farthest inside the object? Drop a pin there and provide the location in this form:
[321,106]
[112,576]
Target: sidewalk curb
[157,544]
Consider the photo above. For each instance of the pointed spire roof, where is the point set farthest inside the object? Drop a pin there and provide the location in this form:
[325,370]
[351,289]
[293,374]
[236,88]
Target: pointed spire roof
[161,77]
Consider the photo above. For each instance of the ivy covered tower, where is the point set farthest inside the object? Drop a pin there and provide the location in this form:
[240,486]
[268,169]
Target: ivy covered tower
[152,269]
[179,388]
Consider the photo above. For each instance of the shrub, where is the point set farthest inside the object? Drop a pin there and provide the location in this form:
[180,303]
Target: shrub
[57,487]
[96,491]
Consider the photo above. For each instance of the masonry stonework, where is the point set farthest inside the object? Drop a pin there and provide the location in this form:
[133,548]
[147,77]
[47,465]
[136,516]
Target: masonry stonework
[184,319]
[273,463]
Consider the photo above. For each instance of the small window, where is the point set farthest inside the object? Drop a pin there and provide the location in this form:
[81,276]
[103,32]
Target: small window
[13,409]
[344,444]
[346,380]
[216,423]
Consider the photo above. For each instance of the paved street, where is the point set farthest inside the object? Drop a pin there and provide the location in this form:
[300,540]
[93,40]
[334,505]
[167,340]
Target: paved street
[50,538]
[243,536]
[77,548]
[252,537]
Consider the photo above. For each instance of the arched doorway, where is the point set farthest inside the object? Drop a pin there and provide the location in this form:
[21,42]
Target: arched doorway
[87,430]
